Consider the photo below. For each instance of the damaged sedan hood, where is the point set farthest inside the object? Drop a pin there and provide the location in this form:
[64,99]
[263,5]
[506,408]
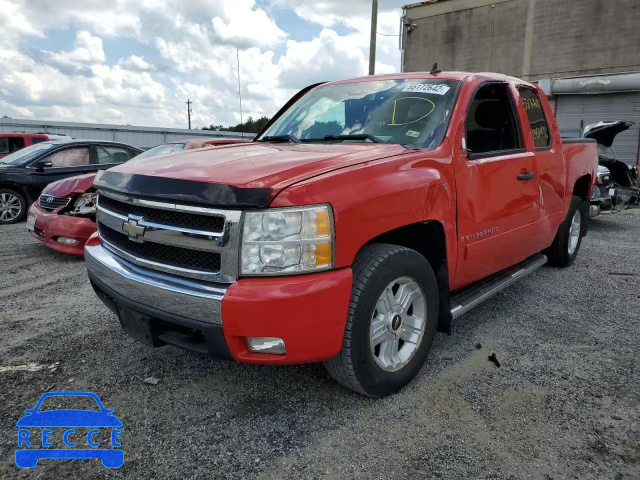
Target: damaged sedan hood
[237,175]
[70,186]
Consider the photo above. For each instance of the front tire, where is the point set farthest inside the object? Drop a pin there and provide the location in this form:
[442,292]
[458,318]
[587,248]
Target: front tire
[391,322]
[566,245]
[13,206]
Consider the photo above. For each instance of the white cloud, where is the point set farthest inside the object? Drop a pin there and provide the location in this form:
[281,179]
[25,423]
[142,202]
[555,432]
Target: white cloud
[195,57]
[88,51]
[136,63]
[244,26]
[326,57]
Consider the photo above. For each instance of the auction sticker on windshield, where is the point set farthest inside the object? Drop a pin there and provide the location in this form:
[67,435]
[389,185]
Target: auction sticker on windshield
[435,88]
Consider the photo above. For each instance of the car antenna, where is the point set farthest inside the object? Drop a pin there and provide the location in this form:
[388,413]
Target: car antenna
[435,69]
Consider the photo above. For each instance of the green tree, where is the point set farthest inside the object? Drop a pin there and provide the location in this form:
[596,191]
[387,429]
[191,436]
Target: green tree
[250,126]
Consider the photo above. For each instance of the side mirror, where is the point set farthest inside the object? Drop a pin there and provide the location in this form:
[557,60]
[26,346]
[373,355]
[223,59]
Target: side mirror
[42,164]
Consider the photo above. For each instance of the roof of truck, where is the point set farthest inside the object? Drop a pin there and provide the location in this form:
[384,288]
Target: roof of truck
[455,76]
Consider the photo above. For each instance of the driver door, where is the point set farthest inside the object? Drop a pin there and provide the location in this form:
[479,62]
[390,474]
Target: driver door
[498,188]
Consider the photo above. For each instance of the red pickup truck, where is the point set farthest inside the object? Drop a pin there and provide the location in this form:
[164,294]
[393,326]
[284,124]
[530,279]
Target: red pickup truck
[365,217]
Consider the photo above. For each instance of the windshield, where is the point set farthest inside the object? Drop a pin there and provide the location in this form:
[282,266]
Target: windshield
[27,154]
[161,149]
[406,112]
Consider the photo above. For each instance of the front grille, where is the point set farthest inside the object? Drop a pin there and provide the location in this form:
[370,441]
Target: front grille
[164,254]
[50,203]
[209,223]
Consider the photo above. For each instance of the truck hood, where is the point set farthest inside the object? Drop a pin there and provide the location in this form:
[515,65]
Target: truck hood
[70,186]
[605,132]
[258,165]
[247,174]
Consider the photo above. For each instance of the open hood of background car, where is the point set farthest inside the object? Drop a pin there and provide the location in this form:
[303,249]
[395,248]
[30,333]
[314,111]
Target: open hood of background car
[70,186]
[605,132]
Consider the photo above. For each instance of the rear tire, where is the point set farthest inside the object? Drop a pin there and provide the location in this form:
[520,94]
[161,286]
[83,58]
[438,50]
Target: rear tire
[13,206]
[566,245]
[385,344]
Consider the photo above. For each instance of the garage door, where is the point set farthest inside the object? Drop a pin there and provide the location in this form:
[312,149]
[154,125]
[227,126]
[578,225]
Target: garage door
[576,111]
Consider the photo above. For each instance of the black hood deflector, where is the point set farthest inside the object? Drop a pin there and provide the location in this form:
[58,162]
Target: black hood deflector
[184,191]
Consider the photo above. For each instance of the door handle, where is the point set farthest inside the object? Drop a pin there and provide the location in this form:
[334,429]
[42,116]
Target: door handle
[524,176]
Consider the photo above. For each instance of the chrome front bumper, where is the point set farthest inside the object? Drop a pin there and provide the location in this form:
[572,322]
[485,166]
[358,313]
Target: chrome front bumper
[182,297]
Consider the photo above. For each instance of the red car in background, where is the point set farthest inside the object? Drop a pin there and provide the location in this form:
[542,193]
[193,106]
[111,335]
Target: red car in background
[64,215]
[12,142]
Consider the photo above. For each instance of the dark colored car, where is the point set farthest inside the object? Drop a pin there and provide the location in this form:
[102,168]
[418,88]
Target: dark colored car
[25,173]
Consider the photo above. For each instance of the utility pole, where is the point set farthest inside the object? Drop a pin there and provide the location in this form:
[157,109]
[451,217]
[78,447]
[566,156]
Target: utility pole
[372,45]
[240,93]
[189,102]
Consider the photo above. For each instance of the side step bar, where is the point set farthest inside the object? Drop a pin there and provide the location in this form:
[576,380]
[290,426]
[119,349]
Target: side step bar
[464,300]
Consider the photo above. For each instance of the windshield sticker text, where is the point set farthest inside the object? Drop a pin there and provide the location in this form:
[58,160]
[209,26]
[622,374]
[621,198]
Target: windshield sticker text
[436,89]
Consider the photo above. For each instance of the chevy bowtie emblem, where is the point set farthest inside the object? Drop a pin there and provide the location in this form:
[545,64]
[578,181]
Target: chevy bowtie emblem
[132,228]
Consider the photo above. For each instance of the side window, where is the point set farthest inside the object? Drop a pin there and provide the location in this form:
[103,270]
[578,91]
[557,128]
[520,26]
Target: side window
[537,120]
[4,146]
[70,157]
[38,140]
[107,155]
[491,122]
[15,144]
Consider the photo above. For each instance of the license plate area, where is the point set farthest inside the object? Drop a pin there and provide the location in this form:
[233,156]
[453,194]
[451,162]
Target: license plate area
[138,326]
[31,223]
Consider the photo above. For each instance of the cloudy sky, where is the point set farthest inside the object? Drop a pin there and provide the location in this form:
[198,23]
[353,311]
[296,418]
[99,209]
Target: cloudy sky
[137,61]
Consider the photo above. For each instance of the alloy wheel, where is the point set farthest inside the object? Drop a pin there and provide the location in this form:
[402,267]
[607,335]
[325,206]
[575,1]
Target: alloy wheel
[574,231]
[398,324]
[10,207]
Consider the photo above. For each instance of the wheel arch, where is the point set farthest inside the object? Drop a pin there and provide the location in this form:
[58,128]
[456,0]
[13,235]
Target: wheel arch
[19,188]
[428,238]
[582,187]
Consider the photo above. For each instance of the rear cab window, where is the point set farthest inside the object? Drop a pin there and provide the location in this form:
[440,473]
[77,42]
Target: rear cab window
[537,119]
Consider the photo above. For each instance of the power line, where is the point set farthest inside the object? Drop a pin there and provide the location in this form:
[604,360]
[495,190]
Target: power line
[388,34]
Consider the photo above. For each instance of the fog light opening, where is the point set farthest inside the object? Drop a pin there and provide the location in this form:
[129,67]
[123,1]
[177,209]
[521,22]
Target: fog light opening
[66,241]
[266,345]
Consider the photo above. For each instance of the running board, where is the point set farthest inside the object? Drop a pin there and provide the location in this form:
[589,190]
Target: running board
[472,296]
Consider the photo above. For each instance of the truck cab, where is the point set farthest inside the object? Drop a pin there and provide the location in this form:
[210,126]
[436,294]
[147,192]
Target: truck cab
[12,142]
[365,217]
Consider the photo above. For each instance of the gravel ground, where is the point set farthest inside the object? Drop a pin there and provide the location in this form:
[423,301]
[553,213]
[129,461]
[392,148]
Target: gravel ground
[565,402]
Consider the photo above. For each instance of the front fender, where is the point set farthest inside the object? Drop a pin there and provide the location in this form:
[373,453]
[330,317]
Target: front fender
[376,197]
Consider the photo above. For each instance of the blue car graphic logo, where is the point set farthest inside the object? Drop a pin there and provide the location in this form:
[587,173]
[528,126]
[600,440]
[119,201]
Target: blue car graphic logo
[70,420]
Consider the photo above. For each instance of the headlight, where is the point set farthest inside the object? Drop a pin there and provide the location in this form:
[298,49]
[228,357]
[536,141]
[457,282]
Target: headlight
[85,204]
[287,240]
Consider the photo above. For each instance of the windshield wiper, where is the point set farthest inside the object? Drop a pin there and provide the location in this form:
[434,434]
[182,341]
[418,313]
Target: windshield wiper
[357,136]
[280,138]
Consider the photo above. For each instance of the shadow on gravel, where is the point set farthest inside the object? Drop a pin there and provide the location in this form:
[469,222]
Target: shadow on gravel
[603,223]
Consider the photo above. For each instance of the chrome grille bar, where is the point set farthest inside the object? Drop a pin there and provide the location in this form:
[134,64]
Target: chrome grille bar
[184,247]
[50,202]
